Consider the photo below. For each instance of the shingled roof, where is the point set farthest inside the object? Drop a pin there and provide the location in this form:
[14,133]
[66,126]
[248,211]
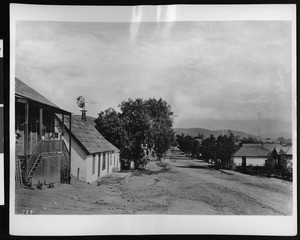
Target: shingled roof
[24,91]
[259,150]
[289,151]
[88,136]
[88,118]
[249,150]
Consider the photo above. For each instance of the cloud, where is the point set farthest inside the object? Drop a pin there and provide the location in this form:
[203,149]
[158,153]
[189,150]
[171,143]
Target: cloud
[205,70]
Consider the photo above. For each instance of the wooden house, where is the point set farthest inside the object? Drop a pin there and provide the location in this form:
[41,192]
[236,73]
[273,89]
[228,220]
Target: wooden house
[92,155]
[42,154]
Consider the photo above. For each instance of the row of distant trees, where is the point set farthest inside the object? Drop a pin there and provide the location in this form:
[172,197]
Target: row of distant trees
[139,123]
[212,148]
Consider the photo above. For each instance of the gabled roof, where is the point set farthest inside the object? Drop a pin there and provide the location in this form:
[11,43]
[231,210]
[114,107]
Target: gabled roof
[278,147]
[88,118]
[88,136]
[261,150]
[272,146]
[289,151]
[251,151]
[22,90]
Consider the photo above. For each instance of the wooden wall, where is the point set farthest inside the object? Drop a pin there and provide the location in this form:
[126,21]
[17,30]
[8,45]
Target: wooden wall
[49,169]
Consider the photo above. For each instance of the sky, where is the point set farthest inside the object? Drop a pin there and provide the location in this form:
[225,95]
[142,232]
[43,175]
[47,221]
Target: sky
[215,75]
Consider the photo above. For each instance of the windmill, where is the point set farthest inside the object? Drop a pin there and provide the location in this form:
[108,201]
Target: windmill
[80,101]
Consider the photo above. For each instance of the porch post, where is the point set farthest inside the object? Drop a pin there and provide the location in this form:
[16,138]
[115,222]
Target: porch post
[26,136]
[63,125]
[41,122]
[53,126]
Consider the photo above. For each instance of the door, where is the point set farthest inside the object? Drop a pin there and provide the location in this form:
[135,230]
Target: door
[78,170]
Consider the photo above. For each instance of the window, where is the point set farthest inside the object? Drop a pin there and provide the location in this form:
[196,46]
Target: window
[103,162]
[110,159]
[93,167]
[114,160]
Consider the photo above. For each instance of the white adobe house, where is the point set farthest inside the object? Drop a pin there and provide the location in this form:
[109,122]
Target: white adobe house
[253,154]
[92,155]
[256,153]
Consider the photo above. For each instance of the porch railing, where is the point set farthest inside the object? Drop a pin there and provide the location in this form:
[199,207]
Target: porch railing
[66,151]
[51,146]
[35,155]
[44,147]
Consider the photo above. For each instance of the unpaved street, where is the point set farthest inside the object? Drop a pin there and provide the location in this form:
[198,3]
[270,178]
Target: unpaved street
[178,186]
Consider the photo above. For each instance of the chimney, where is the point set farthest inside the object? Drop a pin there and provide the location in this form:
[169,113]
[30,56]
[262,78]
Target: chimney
[83,115]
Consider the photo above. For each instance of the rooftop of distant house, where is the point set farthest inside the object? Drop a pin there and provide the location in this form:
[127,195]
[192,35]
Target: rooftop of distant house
[261,150]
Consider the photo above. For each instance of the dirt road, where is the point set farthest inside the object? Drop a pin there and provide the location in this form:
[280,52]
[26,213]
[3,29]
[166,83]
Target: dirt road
[178,186]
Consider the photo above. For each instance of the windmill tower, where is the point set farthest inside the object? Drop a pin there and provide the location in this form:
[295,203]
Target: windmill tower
[81,103]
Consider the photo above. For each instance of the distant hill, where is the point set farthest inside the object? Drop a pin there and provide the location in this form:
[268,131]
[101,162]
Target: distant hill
[286,135]
[206,132]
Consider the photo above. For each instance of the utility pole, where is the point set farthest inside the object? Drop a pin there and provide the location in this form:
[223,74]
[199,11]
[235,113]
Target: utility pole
[259,127]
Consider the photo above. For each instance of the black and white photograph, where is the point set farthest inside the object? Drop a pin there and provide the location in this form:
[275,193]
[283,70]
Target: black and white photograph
[152,112]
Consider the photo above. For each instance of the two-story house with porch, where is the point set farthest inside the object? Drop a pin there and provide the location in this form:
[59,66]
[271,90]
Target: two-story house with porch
[41,155]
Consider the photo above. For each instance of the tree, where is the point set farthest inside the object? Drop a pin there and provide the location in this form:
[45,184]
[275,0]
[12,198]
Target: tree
[249,139]
[111,126]
[282,162]
[139,123]
[160,134]
[136,122]
[270,165]
[209,148]
[281,140]
[225,147]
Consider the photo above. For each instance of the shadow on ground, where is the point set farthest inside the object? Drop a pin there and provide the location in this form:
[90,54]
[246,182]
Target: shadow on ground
[195,166]
[141,172]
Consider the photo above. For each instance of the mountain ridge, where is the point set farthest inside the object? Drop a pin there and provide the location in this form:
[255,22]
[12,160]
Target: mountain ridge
[206,133]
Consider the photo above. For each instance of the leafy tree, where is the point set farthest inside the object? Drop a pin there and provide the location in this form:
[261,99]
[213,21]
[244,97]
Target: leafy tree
[174,143]
[136,122]
[249,139]
[225,147]
[281,140]
[209,148]
[282,162]
[160,134]
[270,165]
[111,126]
[139,123]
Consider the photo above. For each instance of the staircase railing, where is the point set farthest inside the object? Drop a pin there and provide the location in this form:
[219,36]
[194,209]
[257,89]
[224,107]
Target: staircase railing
[51,146]
[34,156]
[44,147]
[66,151]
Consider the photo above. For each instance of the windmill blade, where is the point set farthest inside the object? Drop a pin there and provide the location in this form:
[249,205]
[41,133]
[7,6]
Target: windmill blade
[80,101]
[92,102]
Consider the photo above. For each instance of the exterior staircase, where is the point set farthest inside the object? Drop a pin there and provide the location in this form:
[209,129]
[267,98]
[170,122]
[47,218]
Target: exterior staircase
[43,150]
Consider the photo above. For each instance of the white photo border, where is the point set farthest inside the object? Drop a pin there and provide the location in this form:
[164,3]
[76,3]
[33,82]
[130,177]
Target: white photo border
[149,224]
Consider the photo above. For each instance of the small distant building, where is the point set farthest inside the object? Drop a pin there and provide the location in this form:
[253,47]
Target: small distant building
[92,155]
[289,153]
[253,154]
[257,153]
